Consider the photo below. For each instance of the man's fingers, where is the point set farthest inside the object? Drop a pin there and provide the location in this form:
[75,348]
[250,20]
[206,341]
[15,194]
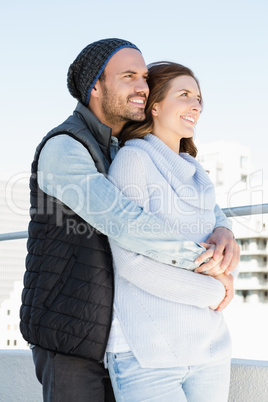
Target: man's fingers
[231,255]
[235,260]
[220,250]
[214,271]
[204,257]
[209,267]
[228,255]
[225,253]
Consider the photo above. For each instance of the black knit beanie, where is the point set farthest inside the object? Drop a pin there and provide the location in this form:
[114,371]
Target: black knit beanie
[89,64]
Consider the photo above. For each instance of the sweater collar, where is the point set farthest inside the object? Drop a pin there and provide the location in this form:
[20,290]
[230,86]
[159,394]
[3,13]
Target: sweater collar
[185,175]
[180,167]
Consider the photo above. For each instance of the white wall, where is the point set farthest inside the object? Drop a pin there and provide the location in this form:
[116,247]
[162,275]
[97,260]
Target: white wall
[17,377]
[249,381]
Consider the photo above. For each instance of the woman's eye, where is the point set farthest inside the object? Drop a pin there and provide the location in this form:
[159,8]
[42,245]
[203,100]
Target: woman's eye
[184,94]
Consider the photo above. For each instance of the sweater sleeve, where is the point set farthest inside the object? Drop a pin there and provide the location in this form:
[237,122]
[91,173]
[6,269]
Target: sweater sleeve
[167,282]
[221,219]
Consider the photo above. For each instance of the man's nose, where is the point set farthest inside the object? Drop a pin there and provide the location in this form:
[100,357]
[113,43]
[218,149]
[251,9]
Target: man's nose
[142,86]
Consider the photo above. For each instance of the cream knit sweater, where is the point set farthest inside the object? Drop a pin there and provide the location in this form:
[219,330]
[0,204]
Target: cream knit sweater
[163,311]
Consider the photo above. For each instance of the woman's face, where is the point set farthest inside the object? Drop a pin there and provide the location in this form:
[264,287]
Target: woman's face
[176,115]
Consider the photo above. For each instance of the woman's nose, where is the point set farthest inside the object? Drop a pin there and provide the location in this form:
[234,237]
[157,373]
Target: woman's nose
[196,105]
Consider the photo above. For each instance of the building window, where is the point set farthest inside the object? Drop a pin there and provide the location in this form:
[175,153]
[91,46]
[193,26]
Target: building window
[8,312]
[245,275]
[15,342]
[243,161]
[261,244]
[8,342]
[244,244]
[219,176]
[244,294]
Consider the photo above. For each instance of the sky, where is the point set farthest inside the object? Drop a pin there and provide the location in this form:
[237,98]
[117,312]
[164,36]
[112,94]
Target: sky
[223,42]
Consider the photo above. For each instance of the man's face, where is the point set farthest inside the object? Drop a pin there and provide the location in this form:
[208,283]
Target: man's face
[124,90]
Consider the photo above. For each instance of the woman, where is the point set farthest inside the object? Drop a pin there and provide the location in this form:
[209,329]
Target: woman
[167,342]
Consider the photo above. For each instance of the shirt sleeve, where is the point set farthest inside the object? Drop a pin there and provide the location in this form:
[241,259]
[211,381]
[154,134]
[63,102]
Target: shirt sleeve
[66,171]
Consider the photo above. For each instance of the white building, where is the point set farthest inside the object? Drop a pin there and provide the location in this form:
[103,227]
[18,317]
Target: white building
[14,217]
[10,336]
[237,184]
[229,167]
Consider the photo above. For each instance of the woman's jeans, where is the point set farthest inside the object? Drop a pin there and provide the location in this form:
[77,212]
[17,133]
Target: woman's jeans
[200,383]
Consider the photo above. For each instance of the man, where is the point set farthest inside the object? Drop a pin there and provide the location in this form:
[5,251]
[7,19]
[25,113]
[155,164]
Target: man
[68,285]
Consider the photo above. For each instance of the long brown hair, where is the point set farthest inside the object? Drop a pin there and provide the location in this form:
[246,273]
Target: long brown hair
[160,76]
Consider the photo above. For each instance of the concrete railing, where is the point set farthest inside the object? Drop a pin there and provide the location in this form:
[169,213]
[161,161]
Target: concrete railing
[18,383]
[249,381]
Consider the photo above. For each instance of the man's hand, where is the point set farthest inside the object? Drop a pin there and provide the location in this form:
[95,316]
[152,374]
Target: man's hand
[209,265]
[225,251]
[228,283]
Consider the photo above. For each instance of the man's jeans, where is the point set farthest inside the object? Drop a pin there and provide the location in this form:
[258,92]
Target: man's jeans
[200,383]
[71,379]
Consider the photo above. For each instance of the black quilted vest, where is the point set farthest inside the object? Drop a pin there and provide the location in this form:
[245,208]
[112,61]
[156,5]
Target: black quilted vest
[68,284]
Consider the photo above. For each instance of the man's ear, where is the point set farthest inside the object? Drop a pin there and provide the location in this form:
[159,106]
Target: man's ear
[96,90]
[155,110]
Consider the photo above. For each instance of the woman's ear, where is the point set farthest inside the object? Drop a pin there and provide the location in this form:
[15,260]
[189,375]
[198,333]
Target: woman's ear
[155,110]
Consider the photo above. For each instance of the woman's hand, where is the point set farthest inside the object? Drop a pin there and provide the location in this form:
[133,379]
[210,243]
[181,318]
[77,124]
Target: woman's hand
[228,283]
[214,268]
